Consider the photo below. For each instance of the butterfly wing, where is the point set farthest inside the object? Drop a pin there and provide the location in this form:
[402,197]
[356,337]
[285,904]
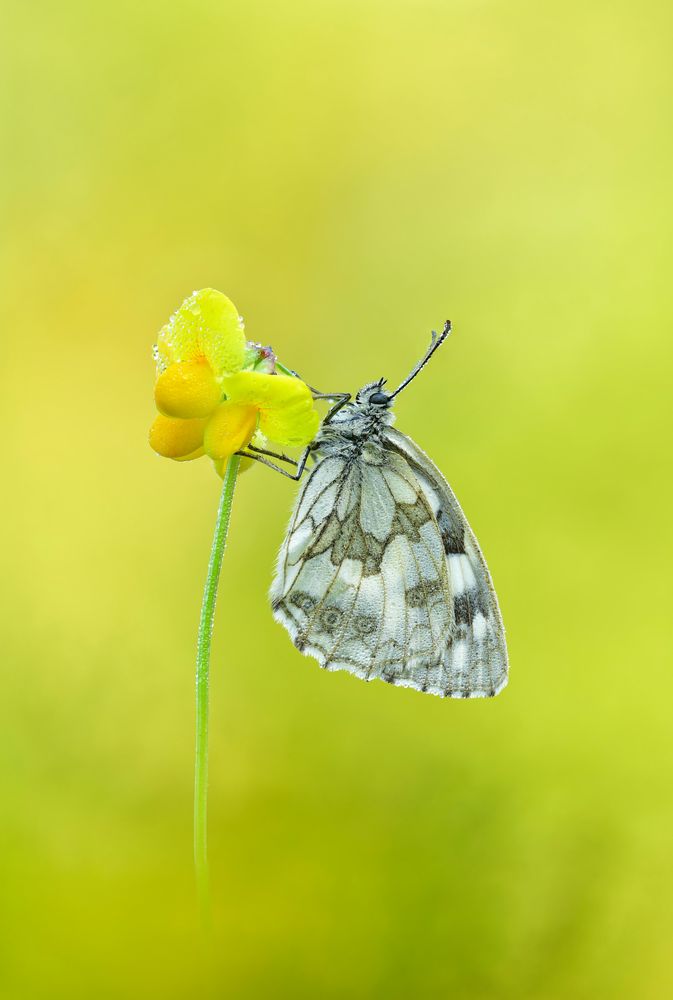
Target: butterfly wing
[362,582]
[475,660]
[380,575]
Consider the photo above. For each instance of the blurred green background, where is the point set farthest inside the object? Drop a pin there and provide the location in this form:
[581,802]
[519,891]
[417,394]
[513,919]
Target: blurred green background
[350,173]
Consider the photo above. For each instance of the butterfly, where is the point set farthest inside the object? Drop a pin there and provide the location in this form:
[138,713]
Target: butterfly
[380,574]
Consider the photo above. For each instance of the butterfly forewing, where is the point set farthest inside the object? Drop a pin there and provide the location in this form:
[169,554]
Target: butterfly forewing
[380,575]
[475,659]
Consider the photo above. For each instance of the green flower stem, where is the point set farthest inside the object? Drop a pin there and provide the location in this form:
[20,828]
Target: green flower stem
[283,369]
[202,686]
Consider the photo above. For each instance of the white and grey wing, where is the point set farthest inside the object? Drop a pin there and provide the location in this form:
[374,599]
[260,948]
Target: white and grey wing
[362,582]
[381,575]
[475,660]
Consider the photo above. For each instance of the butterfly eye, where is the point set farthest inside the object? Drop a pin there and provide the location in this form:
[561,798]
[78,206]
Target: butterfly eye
[378,398]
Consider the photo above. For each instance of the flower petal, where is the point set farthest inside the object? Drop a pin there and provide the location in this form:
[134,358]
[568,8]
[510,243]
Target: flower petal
[286,413]
[206,325]
[187,389]
[229,429]
[199,453]
[178,439]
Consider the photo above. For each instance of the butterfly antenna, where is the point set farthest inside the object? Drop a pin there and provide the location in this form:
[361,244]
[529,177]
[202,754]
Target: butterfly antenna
[436,342]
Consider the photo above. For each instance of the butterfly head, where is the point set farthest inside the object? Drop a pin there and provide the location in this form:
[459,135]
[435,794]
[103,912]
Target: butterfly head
[372,398]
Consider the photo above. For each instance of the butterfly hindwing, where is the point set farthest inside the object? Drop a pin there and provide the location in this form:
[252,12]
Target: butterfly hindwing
[362,584]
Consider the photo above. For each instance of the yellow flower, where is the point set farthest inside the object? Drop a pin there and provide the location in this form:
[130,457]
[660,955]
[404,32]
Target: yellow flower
[210,400]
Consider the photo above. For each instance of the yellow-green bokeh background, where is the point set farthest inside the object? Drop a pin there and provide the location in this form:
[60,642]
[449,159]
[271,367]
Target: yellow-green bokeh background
[350,173]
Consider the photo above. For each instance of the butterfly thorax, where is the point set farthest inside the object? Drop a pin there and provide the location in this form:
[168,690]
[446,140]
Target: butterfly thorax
[357,427]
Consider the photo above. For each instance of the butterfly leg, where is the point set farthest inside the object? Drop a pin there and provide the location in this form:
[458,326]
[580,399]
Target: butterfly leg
[300,465]
[272,454]
[340,398]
